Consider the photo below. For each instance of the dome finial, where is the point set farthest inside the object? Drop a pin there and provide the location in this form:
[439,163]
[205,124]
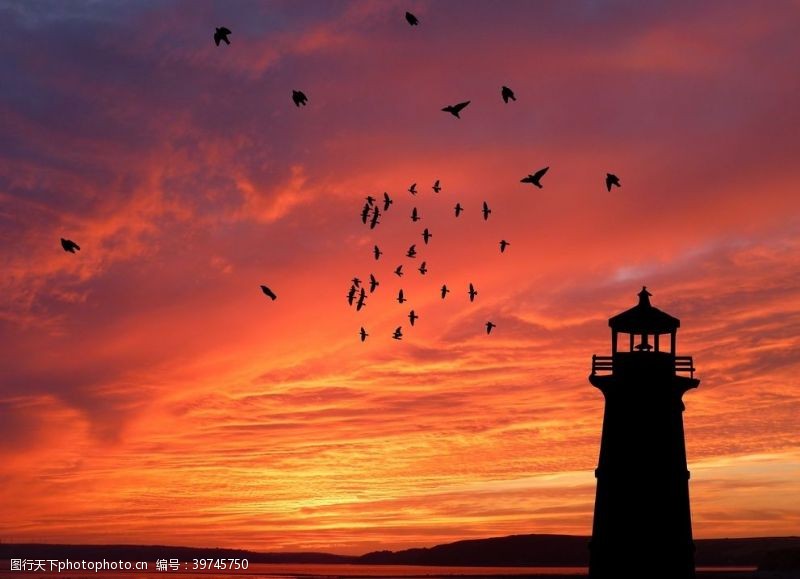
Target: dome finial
[644,296]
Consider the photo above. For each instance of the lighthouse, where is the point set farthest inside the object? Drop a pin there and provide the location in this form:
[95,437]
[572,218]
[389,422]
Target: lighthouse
[642,523]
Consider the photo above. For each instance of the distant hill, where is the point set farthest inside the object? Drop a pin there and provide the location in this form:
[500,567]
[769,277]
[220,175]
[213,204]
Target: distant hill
[572,550]
[511,551]
[758,551]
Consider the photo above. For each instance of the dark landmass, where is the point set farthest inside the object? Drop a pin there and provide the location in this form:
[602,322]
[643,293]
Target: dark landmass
[781,560]
[741,552]
[766,553]
[513,551]
[572,550]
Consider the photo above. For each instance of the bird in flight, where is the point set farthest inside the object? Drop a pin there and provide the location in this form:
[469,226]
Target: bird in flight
[423,269]
[376,251]
[413,189]
[375,214]
[365,213]
[356,282]
[412,317]
[299,98]
[486,211]
[69,245]
[426,235]
[399,271]
[436,187]
[489,326]
[373,283]
[455,109]
[535,178]
[386,201]
[459,209]
[351,295]
[415,215]
[268,292]
[507,93]
[612,179]
[472,293]
[411,19]
[221,33]
[363,333]
[400,297]
[503,245]
[361,298]
[412,251]
[370,200]
[444,291]
[398,333]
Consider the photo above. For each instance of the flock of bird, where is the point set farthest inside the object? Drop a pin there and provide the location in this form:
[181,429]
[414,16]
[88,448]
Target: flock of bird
[371,213]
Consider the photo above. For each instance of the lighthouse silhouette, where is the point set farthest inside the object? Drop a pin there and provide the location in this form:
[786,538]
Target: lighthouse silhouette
[642,522]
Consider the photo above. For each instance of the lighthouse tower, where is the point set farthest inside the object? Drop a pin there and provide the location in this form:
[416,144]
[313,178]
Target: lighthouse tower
[642,523]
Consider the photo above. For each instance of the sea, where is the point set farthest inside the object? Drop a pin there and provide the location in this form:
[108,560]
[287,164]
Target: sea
[344,571]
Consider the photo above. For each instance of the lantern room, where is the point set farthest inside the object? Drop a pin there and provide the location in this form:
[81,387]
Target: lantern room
[644,324]
[641,335]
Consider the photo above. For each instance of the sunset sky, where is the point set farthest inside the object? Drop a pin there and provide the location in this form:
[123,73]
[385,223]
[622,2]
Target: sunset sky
[150,393]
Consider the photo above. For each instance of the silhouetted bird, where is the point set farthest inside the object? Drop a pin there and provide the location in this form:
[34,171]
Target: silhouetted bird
[363,333]
[472,293]
[426,235]
[398,271]
[356,282]
[415,215]
[386,201]
[376,252]
[507,93]
[412,251]
[299,98]
[370,200]
[413,189]
[535,178]
[361,298]
[455,109]
[268,292]
[373,283]
[486,211]
[503,245]
[69,245]
[221,33]
[375,214]
[489,326]
[398,333]
[422,269]
[412,317]
[365,213]
[436,187]
[459,209]
[445,291]
[351,295]
[612,179]
[411,19]
[400,297]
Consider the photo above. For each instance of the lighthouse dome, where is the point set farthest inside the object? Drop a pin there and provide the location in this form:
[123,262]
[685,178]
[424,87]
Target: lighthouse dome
[643,318]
